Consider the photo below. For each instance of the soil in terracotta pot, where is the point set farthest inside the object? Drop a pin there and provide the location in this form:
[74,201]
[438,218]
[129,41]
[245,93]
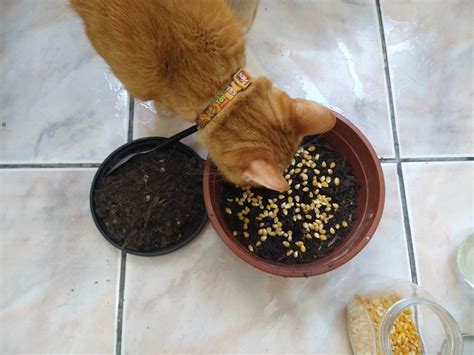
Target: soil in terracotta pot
[305,223]
[153,201]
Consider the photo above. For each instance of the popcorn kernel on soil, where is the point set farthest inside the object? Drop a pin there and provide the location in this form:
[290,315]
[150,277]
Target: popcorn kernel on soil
[306,212]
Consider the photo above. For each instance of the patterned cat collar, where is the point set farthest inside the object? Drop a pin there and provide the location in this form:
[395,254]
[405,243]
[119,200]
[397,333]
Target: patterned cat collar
[240,81]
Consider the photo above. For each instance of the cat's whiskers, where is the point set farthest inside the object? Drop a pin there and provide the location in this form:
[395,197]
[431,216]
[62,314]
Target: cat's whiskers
[314,140]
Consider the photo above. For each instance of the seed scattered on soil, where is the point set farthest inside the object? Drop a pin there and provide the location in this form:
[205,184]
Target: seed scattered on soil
[302,224]
[153,201]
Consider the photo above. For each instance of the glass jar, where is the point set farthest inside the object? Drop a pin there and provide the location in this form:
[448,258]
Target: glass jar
[398,317]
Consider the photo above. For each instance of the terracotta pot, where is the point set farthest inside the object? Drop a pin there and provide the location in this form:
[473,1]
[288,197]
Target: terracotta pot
[354,146]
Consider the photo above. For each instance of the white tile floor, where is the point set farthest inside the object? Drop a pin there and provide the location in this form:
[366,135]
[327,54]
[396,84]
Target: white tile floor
[440,206]
[56,92]
[58,279]
[62,112]
[196,304]
[429,45]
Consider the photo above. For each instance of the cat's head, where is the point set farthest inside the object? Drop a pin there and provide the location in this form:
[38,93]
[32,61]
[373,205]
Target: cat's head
[254,141]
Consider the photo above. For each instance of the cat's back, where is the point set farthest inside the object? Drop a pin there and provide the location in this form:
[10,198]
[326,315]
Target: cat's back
[118,27]
[118,17]
[154,44]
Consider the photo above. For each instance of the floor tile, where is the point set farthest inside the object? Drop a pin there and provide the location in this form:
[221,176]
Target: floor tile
[59,102]
[441,209]
[202,298]
[430,48]
[58,276]
[327,51]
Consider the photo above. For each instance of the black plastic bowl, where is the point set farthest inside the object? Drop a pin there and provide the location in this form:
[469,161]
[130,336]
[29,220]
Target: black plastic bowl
[113,158]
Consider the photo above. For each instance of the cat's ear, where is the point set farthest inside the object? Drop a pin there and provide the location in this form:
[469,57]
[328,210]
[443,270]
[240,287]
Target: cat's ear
[264,173]
[311,117]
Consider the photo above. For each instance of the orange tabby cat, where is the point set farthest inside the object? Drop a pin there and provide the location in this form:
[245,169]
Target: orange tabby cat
[182,54]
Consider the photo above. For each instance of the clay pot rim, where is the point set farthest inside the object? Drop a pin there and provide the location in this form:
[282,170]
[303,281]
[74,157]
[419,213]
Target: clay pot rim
[319,266]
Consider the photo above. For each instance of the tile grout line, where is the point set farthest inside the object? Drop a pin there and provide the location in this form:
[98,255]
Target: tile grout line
[123,260]
[388,80]
[49,165]
[436,159]
[426,160]
[396,144]
[406,222]
[131,117]
[96,165]
[119,324]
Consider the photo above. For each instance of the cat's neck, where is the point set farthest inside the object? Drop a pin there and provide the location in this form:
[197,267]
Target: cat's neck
[193,95]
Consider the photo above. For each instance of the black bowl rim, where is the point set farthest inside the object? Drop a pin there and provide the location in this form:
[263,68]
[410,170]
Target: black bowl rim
[106,164]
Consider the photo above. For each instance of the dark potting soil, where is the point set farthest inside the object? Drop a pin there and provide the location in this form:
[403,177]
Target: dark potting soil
[315,244]
[153,201]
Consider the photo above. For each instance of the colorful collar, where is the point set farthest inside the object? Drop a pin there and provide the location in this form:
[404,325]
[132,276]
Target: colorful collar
[240,81]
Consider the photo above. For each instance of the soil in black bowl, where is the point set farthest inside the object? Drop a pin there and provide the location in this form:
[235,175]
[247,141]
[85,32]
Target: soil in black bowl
[305,223]
[153,201]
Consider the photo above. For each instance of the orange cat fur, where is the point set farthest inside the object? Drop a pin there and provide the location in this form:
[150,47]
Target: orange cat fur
[181,54]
